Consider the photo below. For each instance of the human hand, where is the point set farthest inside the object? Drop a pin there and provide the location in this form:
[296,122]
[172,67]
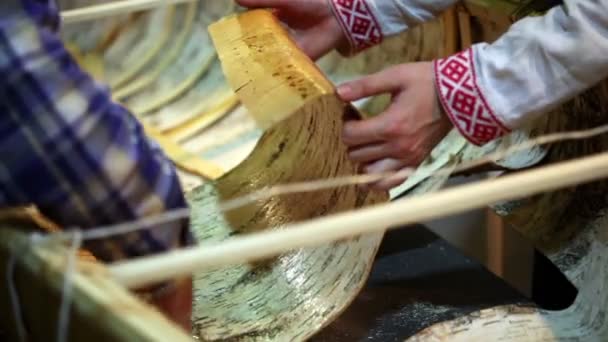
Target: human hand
[406,132]
[176,303]
[312,22]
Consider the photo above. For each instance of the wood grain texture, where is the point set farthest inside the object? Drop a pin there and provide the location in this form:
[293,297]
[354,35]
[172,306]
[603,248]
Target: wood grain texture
[299,292]
[293,296]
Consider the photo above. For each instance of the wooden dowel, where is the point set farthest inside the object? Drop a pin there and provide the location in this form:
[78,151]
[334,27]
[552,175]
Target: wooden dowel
[113,8]
[257,246]
[496,243]
[464,23]
[451,32]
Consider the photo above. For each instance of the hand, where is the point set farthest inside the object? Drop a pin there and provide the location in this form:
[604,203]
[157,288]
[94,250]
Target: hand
[406,132]
[314,26]
[176,303]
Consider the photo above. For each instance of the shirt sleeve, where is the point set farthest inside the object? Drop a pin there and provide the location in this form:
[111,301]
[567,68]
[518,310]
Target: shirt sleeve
[66,147]
[539,64]
[367,22]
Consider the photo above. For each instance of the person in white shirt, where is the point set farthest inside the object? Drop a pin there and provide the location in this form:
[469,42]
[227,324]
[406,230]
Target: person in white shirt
[485,91]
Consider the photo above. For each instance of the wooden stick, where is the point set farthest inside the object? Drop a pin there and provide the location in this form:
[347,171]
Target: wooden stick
[451,32]
[258,246]
[466,34]
[113,8]
[496,243]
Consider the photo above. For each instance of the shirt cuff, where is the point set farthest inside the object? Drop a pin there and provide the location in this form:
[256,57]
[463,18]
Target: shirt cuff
[359,24]
[464,101]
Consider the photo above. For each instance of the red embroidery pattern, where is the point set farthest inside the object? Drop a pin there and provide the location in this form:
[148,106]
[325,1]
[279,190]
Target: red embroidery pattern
[463,101]
[358,22]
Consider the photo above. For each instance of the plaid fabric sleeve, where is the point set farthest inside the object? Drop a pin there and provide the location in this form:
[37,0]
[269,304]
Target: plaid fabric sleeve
[66,147]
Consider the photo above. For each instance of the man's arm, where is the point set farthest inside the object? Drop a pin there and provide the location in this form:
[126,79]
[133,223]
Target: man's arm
[485,91]
[66,147]
[540,63]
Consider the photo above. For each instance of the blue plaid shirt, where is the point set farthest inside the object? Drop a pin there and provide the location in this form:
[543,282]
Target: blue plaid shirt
[66,147]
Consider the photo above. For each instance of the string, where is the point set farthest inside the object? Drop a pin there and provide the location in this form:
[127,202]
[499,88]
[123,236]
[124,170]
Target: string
[14,298]
[103,232]
[66,293]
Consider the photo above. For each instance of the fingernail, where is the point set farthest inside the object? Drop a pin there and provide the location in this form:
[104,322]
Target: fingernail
[371,169]
[347,135]
[344,90]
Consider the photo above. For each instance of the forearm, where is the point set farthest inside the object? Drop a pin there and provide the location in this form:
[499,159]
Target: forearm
[367,22]
[66,147]
[540,63]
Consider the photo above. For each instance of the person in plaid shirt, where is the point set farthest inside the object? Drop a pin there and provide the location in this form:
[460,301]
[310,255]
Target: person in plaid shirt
[80,157]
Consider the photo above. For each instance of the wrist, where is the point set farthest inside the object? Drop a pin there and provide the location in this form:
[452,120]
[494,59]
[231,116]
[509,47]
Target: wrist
[361,30]
[463,101]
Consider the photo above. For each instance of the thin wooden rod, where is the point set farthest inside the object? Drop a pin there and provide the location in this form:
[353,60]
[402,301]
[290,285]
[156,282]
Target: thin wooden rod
[495,243]
[114,8]
[258,246]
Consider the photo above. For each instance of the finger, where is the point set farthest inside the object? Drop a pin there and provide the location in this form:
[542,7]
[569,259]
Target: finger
[384,166]
[364,132]
[389,183]
[388,165]
[369,153]
[386,81]
[388,125]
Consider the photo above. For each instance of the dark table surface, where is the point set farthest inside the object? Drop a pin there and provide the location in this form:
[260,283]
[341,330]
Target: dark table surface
[418,280]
